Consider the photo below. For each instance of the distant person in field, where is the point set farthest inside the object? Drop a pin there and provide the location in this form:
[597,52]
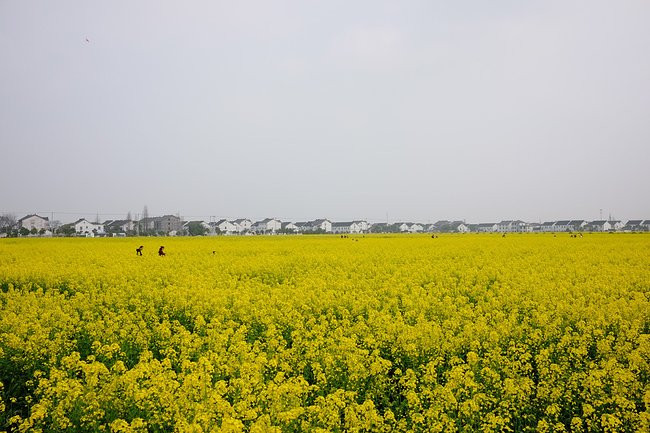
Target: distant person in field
[138,251]
[161,251]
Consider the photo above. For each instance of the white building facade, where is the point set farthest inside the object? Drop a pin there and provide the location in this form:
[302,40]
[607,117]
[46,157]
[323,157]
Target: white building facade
[227,227]
[600,226]
[31,222]
[323,225]
[510,226]
[267,225]
[86,228]
[346,227]
[289,228]
[363,225]
[243,225]
[461,227]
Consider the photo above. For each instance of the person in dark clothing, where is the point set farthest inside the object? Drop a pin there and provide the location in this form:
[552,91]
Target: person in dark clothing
[138,251]
[161,251]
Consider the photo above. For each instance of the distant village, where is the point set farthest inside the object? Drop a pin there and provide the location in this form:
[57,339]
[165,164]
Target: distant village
[173,225]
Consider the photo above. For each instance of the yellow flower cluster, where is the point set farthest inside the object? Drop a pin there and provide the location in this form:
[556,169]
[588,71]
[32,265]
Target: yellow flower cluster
[461,333]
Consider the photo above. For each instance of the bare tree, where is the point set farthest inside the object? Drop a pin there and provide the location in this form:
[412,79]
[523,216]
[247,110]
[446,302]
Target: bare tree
[55,224]
[145,217]
[7,222]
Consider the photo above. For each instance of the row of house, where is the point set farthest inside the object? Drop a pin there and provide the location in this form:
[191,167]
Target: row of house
[173,225]
[511,226]
[273,225]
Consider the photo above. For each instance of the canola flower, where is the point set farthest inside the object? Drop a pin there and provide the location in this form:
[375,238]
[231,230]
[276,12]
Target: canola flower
[463,333]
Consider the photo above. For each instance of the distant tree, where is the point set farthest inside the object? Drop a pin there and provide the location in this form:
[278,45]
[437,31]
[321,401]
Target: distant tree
[390,228]
[23,231]
[54,225]
[67,230]
[7,223]
[42,231]
[33,231]
[196,229]
[144,230]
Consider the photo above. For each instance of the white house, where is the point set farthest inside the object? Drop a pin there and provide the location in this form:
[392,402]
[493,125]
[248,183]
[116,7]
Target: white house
[243,225]
[616,224]
[363,226]
[403,227]
[459,226]
[575,225]
[290,227]
[346,227]
[504,226]
[267,225]
[341,227]
[512,226]
[34,221]
[563,226]
[486,227]
[441,226]
[323,225]
[547,226]
[450,226]
[86,228]
[118,226]
[409,227]
[634,226]
[645,225]
[600,226]
[227,227]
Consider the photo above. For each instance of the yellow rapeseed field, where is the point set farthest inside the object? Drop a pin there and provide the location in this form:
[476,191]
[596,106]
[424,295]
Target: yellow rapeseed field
[462,333]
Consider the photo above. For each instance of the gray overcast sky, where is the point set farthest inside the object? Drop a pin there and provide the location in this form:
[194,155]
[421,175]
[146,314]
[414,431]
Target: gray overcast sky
[343,109]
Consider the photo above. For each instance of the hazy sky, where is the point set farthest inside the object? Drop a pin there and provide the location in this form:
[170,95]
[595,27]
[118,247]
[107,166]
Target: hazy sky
[422,111]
